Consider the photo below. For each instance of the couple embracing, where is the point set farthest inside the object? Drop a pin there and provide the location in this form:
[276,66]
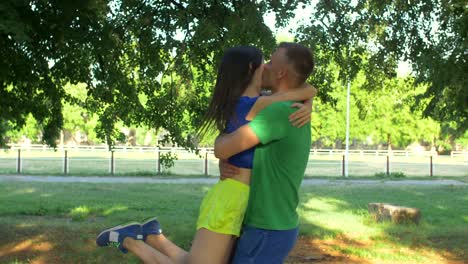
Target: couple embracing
[250,215]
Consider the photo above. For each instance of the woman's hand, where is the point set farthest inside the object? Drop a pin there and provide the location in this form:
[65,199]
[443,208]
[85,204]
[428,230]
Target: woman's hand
[257,77]
[226,170]
[301,116]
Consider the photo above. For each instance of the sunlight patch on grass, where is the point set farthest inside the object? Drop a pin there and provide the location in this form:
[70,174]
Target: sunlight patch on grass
[33,244]
[25,225]
[386,253]
[441,207]
[324,204]
[205,189]
[114,209]
[80,213]
[343,223]
[339,220]
[16,262]
[25,191]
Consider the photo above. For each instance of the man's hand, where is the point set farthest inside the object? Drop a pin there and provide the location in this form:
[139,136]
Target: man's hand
[303,115]
[226,170]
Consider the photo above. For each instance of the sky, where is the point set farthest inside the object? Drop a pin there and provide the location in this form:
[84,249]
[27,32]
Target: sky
[300,15]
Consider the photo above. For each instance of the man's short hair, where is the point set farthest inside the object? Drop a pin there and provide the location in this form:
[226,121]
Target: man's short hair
[301,58]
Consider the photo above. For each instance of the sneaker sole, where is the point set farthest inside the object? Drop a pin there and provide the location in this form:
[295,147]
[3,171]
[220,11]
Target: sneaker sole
[117,227]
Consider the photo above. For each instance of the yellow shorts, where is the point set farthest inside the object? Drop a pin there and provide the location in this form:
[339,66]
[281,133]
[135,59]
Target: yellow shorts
[223,208]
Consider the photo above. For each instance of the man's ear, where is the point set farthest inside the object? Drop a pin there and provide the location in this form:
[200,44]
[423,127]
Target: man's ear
[282,73]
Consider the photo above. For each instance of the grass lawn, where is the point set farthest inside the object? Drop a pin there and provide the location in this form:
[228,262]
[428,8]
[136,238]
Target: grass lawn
[58,222]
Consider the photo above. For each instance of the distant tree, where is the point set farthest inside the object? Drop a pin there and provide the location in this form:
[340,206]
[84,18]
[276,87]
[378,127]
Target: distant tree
[31,130]
[378,117]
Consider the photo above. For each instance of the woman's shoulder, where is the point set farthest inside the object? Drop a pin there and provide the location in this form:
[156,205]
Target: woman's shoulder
[246,100]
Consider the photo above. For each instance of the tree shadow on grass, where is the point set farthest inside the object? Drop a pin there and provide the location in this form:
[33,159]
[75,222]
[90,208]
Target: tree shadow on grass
[49,240]
[67,218]
[312,249]
[435,236]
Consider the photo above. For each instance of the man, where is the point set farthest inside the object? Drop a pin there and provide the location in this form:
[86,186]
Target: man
[282,151]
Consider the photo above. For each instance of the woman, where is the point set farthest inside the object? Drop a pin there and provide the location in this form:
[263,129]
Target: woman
[235,97]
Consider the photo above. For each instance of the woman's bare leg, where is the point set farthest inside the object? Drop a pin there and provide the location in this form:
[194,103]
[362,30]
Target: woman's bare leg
[209,247]
[166,247]
[146,253]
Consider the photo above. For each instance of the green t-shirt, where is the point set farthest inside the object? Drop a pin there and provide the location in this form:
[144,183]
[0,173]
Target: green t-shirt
[279,164]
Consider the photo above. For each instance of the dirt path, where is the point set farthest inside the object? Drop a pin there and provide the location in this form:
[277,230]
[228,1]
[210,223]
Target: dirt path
[306,182]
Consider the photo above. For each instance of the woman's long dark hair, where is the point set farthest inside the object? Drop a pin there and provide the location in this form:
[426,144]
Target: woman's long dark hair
[235,72]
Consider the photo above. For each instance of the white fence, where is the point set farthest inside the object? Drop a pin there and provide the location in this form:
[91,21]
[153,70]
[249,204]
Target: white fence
[330,152]
[126,160]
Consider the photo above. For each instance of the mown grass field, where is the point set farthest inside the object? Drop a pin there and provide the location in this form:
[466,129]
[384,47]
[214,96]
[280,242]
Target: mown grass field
[58,222]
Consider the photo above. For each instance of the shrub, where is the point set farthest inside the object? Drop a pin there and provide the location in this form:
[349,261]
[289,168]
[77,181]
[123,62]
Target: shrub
[397,174]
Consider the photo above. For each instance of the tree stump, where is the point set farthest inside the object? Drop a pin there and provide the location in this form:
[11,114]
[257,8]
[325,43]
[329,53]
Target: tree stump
[395,214]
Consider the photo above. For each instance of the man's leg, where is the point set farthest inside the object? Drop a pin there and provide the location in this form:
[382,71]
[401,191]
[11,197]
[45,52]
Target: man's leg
[259,246]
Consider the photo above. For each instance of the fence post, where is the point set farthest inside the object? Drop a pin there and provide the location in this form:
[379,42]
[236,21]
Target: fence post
[206,162]
[343,166]
[159,161]
[388,165]
[112,163]
[65,163]
[18,162]
[431,167]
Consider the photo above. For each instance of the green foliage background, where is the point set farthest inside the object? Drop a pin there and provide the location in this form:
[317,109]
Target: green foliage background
[99,66]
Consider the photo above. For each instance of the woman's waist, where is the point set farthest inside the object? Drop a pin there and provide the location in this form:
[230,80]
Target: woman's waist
[243,176]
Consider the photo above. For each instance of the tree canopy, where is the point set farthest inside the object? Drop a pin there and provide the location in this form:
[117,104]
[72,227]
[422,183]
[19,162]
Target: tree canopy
[374,35]
[137,59]
[152,63]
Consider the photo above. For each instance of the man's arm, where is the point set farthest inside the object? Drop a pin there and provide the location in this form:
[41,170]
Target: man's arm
[228,145]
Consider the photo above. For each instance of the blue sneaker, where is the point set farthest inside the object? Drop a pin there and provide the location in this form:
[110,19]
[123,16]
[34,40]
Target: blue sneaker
[114,237]
[150,227]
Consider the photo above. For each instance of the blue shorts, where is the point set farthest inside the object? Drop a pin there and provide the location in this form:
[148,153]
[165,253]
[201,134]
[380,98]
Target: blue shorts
[261,246]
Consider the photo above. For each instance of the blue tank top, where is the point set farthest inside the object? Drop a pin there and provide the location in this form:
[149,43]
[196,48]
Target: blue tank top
[245,158]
